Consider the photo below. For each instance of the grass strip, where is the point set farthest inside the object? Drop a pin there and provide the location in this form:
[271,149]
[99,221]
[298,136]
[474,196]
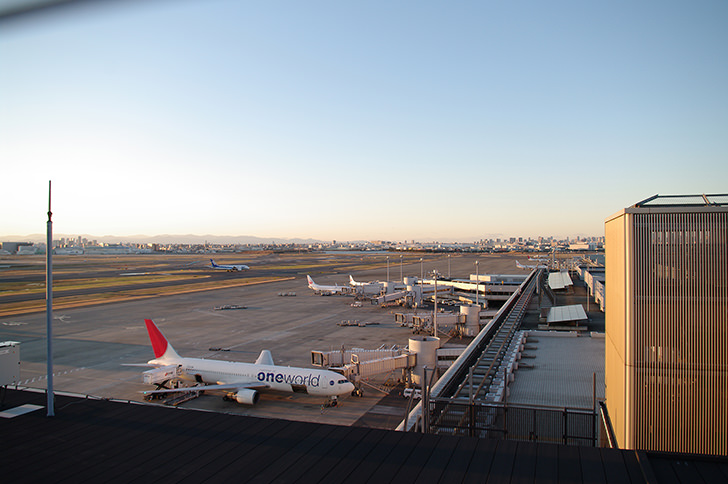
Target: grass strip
[68,302]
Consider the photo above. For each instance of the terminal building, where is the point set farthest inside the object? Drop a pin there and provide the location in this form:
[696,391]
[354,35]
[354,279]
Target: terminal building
[15,247]
[666,354]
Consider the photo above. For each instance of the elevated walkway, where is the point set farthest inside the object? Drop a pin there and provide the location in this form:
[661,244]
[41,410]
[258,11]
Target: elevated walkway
[475,374]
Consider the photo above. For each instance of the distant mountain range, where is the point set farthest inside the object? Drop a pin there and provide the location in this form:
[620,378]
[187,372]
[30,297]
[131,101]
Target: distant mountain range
[164,239]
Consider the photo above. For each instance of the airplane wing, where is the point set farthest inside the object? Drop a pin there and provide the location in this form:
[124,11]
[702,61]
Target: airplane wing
[226,386]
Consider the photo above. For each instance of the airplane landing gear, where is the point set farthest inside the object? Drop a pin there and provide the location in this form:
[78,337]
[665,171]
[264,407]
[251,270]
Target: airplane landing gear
[155,396]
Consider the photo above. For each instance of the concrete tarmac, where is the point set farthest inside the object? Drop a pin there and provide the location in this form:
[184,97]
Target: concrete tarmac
[91,345]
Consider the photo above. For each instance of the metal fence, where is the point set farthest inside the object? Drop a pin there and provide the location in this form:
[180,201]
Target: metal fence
[570,426]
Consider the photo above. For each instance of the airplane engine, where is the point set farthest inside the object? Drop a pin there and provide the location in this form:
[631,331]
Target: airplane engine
[245,396]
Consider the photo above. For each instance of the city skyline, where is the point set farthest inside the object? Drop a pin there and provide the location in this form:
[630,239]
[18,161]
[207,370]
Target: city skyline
[69,240]
[358,122]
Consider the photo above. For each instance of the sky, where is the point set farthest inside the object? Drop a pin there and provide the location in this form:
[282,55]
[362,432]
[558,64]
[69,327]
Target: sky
[393,120]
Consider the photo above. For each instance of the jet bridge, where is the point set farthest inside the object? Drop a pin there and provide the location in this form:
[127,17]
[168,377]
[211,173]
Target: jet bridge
[494,287]
[358,364]
[392,297]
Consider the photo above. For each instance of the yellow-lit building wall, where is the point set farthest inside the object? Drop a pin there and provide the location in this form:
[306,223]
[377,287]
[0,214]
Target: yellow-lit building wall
[615,374]
[666,355]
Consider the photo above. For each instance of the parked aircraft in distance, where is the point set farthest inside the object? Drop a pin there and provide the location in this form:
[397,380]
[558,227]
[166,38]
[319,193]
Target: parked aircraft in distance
[324,289]
[521,266]
[238,381]
[352,282]
[229,267]
[538,259]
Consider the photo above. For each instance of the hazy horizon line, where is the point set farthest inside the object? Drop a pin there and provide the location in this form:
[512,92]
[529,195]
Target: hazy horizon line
[191,238]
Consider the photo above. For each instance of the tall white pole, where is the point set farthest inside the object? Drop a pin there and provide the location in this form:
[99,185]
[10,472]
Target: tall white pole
[477,284]
[49,307]
[434,318]
[387,269]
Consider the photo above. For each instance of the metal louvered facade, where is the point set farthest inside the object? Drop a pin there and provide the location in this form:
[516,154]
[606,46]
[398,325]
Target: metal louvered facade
[666,355]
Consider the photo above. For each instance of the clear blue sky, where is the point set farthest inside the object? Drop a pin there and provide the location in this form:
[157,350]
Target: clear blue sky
[359,120]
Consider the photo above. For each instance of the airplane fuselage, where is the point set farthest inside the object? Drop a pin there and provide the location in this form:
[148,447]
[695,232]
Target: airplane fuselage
[239,381]
[277,378]
[231,268]
[323,289]
[228,267]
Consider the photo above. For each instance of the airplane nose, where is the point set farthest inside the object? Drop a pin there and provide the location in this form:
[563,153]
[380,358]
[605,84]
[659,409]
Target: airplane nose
[349,387]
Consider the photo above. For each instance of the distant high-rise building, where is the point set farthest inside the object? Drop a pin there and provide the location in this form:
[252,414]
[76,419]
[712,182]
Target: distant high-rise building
[666,355]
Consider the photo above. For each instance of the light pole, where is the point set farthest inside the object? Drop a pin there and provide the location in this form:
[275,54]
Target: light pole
[401,277]
[434,318]
[387,268]
[50,396]
[477,284]
[448,266]
[422,274]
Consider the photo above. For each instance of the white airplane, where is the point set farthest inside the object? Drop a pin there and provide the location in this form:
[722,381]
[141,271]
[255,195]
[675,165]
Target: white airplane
[352,282]
[229,267]
[521,266]
[239,381]
[538,259]
[323,289]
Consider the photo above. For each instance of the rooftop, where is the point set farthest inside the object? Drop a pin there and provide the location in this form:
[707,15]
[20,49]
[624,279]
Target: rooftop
[719,200]
[100,440]
[562,368]
[700,203]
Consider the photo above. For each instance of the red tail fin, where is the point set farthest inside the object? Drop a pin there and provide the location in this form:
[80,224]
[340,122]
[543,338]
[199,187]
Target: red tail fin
[159,342]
